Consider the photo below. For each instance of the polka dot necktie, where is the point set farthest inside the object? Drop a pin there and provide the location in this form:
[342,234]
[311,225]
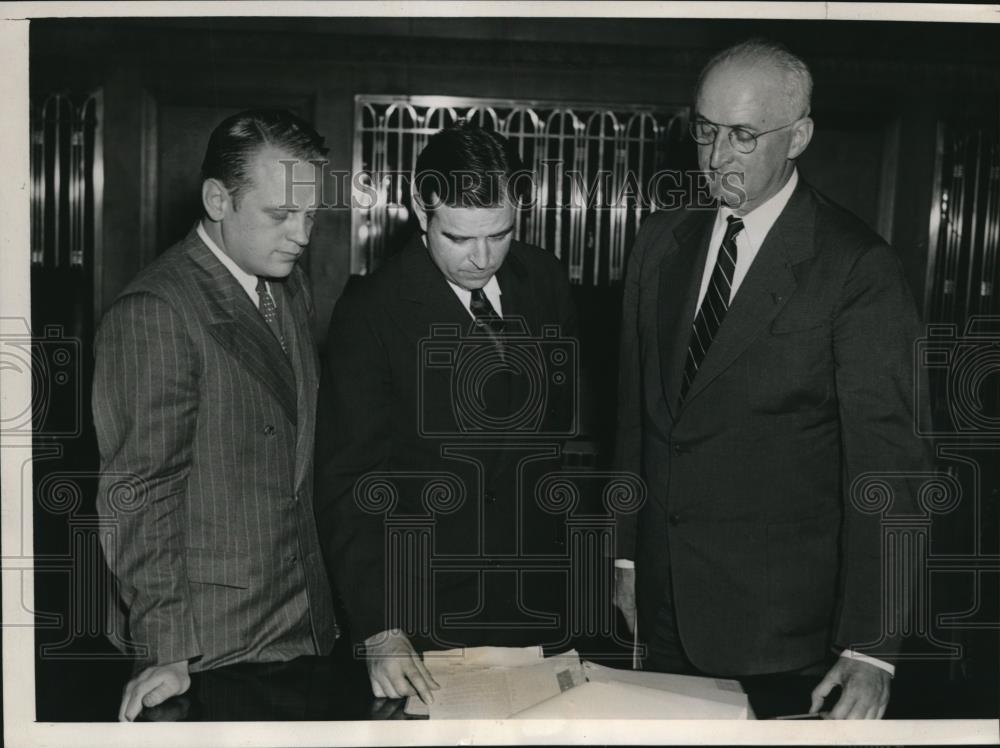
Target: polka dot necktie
[269,311]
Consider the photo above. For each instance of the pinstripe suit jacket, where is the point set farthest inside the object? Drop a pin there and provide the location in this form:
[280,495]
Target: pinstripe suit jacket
[205,429]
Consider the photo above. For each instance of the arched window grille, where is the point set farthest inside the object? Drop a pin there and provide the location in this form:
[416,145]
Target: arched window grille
[593,169]
[67,180]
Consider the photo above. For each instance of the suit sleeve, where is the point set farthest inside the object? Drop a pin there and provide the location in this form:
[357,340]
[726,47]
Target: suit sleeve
[145,403]
[873,335]
[353,433]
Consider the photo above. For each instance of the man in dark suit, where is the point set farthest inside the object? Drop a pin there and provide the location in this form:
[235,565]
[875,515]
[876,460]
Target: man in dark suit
[204,401]
[439,413]
[766,366]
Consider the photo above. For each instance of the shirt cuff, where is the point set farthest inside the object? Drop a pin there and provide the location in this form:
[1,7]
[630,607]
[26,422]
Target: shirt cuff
[624,563]
[852,655]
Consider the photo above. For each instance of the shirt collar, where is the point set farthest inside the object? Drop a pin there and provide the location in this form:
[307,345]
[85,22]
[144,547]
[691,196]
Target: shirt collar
[247,282]
[491,289]
[758,222]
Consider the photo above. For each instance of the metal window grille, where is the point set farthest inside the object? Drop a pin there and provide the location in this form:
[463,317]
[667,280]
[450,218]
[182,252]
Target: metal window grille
[67,180]
[963,268]
[593,168]
[959,354]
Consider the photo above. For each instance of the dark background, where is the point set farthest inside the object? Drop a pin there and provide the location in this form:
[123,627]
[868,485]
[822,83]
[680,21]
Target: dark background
[883,92]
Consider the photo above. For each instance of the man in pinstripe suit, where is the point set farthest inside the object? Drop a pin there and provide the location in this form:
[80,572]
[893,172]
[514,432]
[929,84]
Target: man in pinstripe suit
[204,403]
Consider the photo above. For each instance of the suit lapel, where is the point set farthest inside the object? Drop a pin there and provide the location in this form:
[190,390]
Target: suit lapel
[765,289]
[239,328]
[514,293]
[680,281]
[428,299]
[295,322]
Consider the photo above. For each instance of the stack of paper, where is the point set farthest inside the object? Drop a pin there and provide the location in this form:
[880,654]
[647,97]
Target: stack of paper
[494,682]
[630,694]
[502,683]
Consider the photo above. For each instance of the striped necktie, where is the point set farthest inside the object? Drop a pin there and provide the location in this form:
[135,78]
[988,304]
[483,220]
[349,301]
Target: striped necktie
[714,306]
[269,311]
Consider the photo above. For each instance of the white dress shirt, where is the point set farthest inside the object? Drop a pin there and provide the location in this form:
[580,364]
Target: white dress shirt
[491,289]
[247,282]
[756,225]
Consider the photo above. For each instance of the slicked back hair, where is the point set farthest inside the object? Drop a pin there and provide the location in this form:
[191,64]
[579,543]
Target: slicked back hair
[465,166]
[798,82]
[236,140]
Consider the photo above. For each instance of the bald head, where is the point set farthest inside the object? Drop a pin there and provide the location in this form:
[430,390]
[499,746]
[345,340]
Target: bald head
[755,110]
[771,65]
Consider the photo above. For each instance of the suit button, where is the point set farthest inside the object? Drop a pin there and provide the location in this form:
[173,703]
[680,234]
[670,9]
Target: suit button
[674,519]
[490,496]
[269,430]
[680,449]
[293,559]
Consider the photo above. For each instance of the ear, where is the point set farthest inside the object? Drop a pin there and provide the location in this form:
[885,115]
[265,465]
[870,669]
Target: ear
[215,199]
[802,133]
[419,209]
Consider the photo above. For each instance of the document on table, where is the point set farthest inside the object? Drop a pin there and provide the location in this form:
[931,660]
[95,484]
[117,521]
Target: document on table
[494,682]
[722,691]
[627,694]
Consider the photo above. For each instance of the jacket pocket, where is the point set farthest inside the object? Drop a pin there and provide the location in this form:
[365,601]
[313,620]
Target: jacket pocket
[226,568]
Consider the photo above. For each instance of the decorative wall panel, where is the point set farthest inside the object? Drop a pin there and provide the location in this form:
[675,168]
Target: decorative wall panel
[592,166]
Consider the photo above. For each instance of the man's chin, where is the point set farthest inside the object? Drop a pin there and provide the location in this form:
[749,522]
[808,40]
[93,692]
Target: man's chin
[729,200]
[473,283]
[282,268]
[727,189]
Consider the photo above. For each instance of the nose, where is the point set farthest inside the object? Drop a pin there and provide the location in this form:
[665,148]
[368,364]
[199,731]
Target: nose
[299,228]
[480,255]
[721,149]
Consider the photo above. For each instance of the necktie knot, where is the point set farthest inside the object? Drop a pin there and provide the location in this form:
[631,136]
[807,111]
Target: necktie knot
[735,226]
[479,304]
[486,317]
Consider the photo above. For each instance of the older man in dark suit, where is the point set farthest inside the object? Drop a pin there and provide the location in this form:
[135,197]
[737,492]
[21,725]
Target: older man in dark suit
[440,412]
[766,366]
[204,399]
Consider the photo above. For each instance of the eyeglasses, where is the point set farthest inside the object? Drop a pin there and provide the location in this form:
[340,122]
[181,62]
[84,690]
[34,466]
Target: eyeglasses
[743,140]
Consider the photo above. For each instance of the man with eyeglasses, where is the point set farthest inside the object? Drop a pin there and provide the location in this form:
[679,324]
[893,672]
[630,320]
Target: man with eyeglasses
[765,372]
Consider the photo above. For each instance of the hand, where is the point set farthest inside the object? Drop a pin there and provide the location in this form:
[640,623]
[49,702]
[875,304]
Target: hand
[153,686]
[625,595]
[864,690]
[395,668]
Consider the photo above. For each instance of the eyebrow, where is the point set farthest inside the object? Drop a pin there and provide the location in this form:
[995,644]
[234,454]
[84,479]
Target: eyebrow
[740,125]
[459,237]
